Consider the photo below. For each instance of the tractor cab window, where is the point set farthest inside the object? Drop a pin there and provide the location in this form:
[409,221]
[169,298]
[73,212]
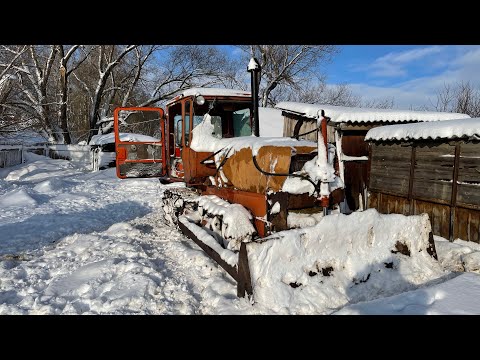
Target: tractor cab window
[229,119]
[241,123]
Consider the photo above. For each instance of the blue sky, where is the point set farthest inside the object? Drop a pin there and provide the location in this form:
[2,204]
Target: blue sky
[410,74]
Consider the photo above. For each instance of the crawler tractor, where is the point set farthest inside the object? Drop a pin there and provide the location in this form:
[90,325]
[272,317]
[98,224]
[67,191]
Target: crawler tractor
[239,187]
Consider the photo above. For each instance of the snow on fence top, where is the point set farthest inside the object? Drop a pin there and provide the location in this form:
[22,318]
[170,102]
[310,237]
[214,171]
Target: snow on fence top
[343,114]
[463,128]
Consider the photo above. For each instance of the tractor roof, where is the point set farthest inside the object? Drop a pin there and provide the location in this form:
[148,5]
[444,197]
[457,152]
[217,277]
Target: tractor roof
[209,92]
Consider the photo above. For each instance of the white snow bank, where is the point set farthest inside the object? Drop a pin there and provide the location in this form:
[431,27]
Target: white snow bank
[441,130]
[343,259]
[16,198]
[48,186]
[40,168]
[458,255]
[125,137]
[352,114]
[457,296]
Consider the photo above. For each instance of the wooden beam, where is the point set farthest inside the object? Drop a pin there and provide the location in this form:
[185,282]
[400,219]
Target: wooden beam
[453,200]
[244,282]
[410,180]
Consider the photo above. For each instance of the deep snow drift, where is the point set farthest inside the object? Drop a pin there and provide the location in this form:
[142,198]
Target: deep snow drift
[77,242]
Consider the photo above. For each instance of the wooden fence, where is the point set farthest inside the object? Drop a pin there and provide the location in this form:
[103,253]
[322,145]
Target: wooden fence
[11,155]
[438,178]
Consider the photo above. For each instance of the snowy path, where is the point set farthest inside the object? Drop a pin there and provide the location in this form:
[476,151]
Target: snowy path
[77,242]
[84,242]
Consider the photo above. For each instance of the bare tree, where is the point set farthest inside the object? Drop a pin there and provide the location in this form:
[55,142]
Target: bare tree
[186,66]
[34,72]
[287,66]
[460,97]
[63,75]
[385,103]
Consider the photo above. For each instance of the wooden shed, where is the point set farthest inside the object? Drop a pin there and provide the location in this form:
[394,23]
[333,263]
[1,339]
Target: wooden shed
[429,168]
[347,128]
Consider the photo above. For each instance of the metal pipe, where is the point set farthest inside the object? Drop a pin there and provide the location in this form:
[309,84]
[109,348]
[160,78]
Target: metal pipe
[254,68]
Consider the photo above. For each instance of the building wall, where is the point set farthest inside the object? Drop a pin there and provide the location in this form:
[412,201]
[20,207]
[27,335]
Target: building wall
[441,179]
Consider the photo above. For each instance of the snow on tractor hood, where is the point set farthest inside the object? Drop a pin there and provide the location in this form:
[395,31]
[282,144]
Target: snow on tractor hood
[272,154]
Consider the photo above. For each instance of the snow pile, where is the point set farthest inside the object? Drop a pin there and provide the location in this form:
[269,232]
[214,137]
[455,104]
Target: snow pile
[458,296]
[39,168]
[79,154]
[442,130]
[48,186]
[341,114]
[16,198]
[343,259]
[459,255]
[236,225]
[124,137]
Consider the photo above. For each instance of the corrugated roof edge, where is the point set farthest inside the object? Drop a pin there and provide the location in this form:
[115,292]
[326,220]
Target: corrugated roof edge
[449,130]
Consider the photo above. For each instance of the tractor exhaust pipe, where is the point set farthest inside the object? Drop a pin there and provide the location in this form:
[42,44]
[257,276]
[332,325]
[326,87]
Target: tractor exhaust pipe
[254,68]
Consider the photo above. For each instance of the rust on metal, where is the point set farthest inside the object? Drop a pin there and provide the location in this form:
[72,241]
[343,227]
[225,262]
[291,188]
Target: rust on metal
[256,203]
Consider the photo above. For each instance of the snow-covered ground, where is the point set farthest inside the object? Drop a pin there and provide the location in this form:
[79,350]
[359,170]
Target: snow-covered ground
[77,242]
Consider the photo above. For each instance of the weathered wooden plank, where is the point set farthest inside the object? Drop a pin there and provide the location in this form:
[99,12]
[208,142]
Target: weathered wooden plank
[393,185]
[373,200]
[468,194]
[390,204]
[432,172]
[461,224]
[470,149]
[244,285]
[469,168]
[434,165]
[353,143]
[439,216]
[432,189]
[390,168]
[289,127]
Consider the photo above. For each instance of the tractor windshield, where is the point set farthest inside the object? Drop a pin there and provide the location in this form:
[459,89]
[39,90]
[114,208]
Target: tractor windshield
[229,119]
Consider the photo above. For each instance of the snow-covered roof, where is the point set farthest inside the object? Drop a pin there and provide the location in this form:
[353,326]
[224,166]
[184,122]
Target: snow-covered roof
[463,128]
[342,114]
[211,92]
[110,138]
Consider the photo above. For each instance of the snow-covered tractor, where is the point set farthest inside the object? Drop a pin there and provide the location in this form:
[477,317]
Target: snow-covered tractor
[242,190]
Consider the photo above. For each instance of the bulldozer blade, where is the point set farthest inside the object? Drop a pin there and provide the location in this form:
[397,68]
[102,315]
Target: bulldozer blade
[240,272]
